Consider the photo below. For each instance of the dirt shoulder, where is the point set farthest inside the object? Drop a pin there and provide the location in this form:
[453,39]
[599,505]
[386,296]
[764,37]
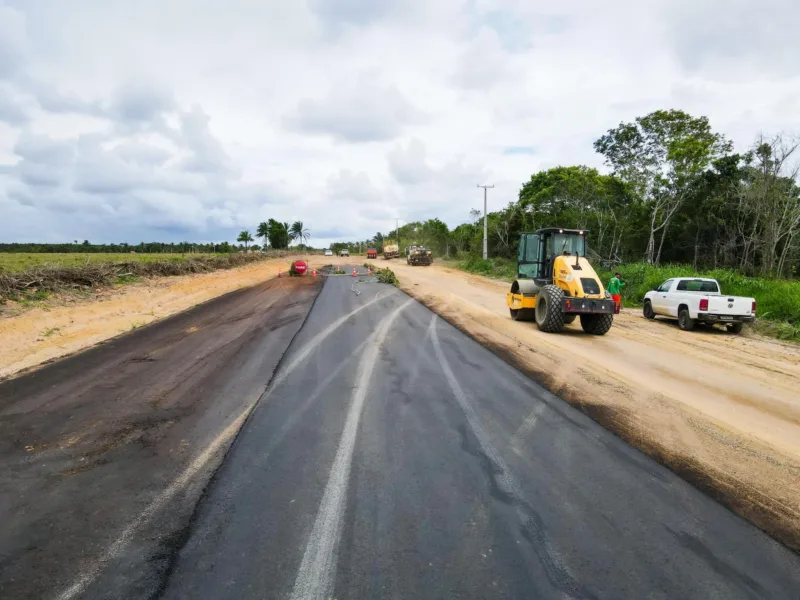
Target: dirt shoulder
[68,323]
[723,411]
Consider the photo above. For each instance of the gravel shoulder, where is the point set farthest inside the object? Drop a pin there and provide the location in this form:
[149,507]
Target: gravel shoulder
[722,411]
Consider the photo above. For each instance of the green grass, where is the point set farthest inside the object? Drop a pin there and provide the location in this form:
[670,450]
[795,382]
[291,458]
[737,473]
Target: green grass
[16,262]
[496,268]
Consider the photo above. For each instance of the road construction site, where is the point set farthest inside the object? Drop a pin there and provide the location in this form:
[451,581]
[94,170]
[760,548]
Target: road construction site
[337,437]
[721,410]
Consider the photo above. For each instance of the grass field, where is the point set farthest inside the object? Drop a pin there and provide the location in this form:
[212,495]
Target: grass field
[16,262]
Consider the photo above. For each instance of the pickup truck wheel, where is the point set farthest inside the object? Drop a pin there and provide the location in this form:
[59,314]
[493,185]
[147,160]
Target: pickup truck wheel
[735,327]
[685,322]
[648,311]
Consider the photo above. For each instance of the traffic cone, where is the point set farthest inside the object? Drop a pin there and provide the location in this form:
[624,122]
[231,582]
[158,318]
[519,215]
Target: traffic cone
[280,273]
[355,274]
[313,272]
[369,271]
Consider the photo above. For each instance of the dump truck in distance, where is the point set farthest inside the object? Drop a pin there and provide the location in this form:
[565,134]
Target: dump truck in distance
[391,250]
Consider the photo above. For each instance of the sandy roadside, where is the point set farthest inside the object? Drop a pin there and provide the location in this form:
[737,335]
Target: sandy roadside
[66,325]
[721,410]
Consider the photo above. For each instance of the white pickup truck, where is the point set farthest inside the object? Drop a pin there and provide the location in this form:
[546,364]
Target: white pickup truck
[694,300]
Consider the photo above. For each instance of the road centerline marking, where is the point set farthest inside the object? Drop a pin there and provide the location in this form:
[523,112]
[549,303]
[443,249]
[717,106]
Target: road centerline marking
[315,577]
[96,566]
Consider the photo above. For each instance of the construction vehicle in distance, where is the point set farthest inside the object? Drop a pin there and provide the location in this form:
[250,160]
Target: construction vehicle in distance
[391,250]
[372,253]
[418,255]
[556,283]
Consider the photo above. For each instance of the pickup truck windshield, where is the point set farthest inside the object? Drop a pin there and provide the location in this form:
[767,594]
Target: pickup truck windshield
[689,285]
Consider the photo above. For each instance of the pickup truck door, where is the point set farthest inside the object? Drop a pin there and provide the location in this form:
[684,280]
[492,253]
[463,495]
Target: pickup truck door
[660,301]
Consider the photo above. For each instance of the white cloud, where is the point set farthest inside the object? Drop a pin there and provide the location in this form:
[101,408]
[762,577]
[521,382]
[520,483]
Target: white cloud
[484,62]
[356,109]
[187,120]
[13,40]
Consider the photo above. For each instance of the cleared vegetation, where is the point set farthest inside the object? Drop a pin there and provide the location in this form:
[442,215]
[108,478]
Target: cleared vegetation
[21,261]
[39,280]
[386,276]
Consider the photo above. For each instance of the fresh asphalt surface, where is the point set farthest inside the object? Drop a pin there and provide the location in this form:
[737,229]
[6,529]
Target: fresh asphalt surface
[394,457]
[104,454]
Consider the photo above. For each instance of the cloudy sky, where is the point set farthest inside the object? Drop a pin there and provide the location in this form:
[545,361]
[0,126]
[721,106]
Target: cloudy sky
[192,119]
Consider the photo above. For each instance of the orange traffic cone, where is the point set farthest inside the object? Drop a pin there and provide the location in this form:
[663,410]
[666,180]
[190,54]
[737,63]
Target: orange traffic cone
[280,273]
[313,272]
[369,271]
[355,274]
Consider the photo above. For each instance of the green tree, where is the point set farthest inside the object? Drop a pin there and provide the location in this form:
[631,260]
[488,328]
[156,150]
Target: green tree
[298,232]
[244,236]
[661,156]
[263,232]
[278,234]
[579,197]
[436,236]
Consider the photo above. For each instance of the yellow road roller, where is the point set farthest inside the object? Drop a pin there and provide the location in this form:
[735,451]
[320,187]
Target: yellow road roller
[556,283]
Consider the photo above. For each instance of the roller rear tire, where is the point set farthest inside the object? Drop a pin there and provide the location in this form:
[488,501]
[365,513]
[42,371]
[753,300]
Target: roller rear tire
[597,324]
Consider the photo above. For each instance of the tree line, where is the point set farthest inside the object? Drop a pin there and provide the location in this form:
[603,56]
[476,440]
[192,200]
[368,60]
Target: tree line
[274,234]
[676,192]
[142,247]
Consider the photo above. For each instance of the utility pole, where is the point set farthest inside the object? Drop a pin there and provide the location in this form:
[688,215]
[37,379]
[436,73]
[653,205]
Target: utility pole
[485,223]
[397,232]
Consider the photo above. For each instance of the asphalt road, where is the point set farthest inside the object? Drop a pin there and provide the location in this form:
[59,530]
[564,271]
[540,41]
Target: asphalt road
[393,457]
[103,455]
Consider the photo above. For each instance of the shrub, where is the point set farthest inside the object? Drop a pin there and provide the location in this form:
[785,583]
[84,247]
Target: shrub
[497,268]
[386,276]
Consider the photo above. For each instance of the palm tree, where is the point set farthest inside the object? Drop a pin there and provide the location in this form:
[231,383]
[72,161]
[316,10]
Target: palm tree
[263,232]
[298,232]
[244,236]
